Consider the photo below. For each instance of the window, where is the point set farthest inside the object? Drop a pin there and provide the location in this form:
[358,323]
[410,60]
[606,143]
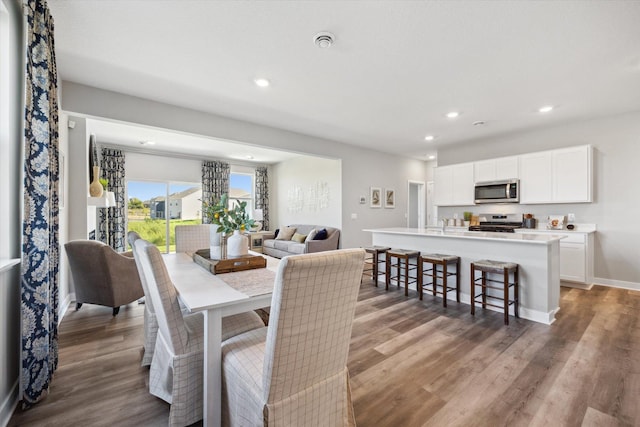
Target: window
[241,188]
[155,208]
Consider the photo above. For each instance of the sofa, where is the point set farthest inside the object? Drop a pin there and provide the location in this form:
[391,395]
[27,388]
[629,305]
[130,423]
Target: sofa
[282,246]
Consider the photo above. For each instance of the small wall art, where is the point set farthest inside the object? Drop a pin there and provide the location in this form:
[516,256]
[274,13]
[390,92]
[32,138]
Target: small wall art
[389,198]
[375,196]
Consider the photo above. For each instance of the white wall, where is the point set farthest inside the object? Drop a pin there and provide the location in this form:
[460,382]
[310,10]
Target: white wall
[361,168]
[294,184]
[148,167]
[11,131]
[616,142]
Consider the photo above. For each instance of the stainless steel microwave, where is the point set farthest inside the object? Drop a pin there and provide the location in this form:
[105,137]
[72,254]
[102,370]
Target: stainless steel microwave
[503,191]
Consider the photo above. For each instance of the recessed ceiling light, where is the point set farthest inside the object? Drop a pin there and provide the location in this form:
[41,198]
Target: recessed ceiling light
[147,142]
[453,114]
[429,138]
[545,109]
[478,123]
[262,82]
[249,157]
[432,157]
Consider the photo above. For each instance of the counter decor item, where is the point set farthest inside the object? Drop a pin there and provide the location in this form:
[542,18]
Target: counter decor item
[555,222]
[529,221]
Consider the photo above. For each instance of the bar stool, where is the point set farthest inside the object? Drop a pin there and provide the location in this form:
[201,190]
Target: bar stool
[395,258]
[443,288]
[372,262]
[495,267]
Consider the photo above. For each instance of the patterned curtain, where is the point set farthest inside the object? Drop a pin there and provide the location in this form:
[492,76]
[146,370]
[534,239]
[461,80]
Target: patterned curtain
[111,224]
[215,182]
[40,246]
[262,194]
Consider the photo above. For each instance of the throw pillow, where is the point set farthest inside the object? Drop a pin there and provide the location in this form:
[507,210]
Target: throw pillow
[297,237]
[286,233]
[275,233]
[311,235]
[321,234]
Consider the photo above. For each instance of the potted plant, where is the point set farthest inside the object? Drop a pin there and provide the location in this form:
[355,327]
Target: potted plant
[229,220]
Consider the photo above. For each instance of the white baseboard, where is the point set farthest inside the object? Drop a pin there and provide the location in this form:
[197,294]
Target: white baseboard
[634,286]
[64,306]
[9,405]
[525,313]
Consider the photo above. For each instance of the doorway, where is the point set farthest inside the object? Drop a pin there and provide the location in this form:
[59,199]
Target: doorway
[415,208]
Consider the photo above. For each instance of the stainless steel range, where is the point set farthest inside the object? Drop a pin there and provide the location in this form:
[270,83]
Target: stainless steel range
[505,223]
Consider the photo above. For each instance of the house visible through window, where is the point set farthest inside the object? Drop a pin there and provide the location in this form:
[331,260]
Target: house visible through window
[155,208]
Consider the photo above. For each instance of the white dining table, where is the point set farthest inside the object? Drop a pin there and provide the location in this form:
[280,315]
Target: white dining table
[200,290]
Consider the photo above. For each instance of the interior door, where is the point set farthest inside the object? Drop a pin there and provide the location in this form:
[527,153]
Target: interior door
[416,205]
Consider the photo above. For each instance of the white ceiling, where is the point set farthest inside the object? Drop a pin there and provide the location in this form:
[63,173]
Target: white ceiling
[395,70]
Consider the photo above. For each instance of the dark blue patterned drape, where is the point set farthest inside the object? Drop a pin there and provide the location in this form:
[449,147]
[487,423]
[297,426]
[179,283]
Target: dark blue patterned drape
[40,246]
[215,182]
[111,225]
[262,194]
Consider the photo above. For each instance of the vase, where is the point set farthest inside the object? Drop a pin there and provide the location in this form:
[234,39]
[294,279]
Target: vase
[95,188]
[237,245]
[216,241]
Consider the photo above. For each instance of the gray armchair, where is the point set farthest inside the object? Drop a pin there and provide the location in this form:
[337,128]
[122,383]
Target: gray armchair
[103,276]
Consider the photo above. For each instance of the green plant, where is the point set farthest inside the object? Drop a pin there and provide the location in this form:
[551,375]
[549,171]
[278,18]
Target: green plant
[467,215]
[227,219]
[104,182]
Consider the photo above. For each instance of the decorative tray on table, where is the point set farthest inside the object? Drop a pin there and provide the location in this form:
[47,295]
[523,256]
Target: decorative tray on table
[227,265]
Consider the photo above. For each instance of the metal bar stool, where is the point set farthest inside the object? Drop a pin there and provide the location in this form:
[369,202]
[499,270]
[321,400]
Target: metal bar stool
[495,267]
[395,258]
[372,262]
[442,288]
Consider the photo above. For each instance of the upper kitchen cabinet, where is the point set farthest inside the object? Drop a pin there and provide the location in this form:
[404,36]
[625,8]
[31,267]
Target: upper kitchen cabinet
[496,169]
[453,185]
[557,176]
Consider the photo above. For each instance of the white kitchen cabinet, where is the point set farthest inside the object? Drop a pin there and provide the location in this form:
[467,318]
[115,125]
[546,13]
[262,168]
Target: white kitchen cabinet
[572,175]
[576,254]
[573,258]
[454,185]
[496,169]
[557,176]
[536,174]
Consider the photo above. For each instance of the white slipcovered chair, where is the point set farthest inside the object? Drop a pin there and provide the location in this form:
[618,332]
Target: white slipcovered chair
[177,363]
[190,238]
[294,372]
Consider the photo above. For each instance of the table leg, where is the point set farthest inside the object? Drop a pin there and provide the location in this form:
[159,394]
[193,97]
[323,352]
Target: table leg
[212,370]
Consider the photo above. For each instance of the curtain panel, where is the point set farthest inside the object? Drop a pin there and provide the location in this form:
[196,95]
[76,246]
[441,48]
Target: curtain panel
[40,245]
[262,194]
[111,223]
[215,183]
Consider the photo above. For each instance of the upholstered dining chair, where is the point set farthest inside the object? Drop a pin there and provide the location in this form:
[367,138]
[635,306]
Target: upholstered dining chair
[176,367]
[101,275]
[294,372]
[190,238]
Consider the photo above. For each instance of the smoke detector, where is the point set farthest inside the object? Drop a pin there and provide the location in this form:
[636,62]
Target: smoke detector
[323,39]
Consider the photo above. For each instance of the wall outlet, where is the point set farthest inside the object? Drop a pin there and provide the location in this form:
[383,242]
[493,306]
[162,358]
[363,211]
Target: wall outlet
[354,216]
[571,217]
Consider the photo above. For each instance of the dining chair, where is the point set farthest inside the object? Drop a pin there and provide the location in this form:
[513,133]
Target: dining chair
[176,369]
[190,238]
[294,372]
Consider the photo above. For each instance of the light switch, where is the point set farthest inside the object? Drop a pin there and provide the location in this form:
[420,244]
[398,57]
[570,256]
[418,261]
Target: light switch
[354,216]
[571,217]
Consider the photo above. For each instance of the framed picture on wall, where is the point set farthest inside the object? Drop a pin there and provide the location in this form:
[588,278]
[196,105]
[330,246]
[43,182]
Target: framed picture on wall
[375,197]
[389,198]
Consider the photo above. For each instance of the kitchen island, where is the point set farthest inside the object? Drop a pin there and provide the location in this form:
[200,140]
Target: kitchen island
[537,254]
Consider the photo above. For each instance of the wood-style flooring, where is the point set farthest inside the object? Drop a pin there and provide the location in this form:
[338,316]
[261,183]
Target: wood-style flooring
[412,363]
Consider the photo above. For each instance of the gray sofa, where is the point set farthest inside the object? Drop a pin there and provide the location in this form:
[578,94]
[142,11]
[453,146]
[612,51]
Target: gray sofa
[281,248]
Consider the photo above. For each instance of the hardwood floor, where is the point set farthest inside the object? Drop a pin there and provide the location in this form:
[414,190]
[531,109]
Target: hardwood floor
[412,363]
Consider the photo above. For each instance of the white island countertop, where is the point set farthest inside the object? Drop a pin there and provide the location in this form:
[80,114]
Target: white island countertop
[539,238]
